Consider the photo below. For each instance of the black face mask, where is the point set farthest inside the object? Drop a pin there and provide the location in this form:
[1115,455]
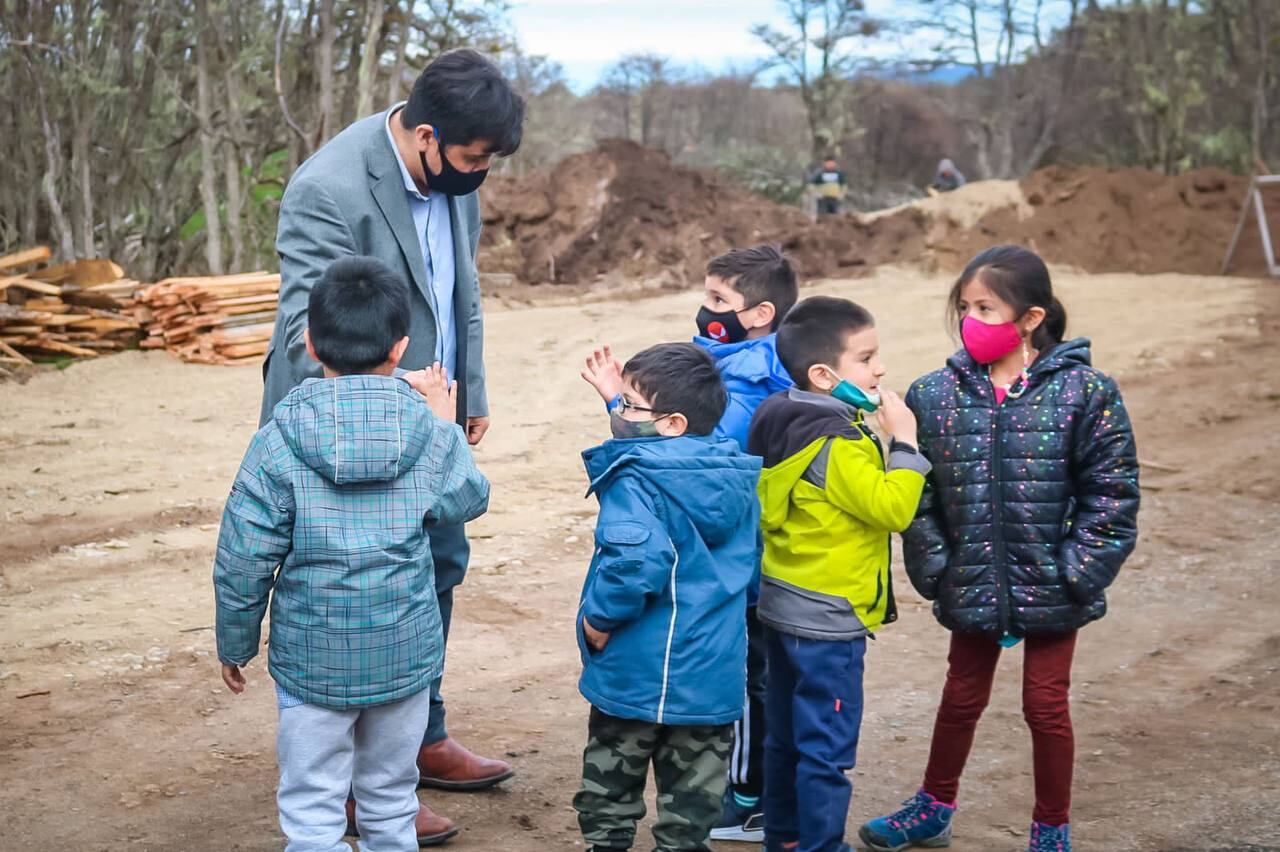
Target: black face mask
[450,181]
[722,328]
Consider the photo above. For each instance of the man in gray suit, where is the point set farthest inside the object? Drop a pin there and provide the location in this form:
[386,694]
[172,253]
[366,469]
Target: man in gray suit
[400,186]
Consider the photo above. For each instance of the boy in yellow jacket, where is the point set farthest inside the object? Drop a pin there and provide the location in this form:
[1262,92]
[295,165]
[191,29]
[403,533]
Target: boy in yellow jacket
[829,502]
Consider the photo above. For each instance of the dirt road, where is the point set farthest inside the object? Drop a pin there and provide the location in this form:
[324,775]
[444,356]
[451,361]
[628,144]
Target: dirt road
[111,481]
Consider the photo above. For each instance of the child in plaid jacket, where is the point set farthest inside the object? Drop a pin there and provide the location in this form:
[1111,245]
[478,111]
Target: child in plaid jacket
[329,518]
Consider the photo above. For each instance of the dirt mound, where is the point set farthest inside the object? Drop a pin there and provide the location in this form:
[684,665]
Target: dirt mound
[625,214]
[622,212]
[1129,220]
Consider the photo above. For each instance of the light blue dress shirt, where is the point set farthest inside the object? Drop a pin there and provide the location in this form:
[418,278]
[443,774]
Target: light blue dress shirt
[435,236]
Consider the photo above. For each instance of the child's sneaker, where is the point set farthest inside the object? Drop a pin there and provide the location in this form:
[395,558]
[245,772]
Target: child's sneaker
[923,821]
[738,822]
[1050,838]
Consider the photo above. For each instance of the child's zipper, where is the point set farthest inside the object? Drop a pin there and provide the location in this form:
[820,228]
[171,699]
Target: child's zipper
[997,521]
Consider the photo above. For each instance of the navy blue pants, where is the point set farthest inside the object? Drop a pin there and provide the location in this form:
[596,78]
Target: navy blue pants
[451,551]
[814,707]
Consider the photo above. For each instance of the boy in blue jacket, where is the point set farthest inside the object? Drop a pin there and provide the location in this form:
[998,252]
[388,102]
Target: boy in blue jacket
[748,292]
[660,623]
[329,520]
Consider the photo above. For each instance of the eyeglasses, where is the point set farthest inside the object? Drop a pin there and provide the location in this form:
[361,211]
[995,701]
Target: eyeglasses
[623,407]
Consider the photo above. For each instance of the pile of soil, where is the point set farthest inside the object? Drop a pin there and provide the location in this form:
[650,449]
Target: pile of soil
[626,215]
[1129,220]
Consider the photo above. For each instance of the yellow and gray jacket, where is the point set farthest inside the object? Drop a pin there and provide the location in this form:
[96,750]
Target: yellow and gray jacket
[829,503]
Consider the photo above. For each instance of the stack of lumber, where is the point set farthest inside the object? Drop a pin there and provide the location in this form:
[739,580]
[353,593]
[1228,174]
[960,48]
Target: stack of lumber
[222,319]
[80,309]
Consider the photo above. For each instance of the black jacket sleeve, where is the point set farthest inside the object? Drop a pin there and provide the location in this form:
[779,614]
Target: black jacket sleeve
[1105,473]
[925,546]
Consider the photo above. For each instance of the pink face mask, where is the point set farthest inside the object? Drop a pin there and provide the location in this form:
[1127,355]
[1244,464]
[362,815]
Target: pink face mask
[989,343]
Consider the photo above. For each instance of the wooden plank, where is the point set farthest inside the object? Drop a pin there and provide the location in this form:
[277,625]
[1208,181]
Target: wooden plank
[44,344]
[220,281]
[244,310]
[123,284]
[219,338]
[103,345]
[94,299]
[21,329]
[244,350]
[13,353]
[247,319]
[84,272]
[221,293]
[37,287]
[98,325]
[39,254]
[63,319]
[242,333]
[263,299]
[48,306]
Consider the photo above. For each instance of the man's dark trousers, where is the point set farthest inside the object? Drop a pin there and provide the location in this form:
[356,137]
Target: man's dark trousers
[814,708]
[450,551]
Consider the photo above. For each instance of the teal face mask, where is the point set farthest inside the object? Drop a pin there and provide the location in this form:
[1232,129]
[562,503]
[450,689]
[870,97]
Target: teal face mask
[847,392]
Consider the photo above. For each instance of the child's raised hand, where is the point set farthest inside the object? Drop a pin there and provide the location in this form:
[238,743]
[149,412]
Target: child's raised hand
[233,678]
[604,373]
[597,639]
[440,393]
[895,418]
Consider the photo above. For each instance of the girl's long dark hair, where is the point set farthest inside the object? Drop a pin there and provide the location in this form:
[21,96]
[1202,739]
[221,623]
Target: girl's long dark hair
[1020,278]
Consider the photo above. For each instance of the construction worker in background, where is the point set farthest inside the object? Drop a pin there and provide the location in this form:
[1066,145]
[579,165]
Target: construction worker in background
[946,178]
[829,186]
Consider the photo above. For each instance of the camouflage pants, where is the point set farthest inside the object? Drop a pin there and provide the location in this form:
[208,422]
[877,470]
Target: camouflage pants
[689,763]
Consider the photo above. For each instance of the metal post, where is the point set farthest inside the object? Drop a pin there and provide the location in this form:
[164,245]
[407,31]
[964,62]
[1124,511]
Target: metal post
[1235,238]
[1265,231]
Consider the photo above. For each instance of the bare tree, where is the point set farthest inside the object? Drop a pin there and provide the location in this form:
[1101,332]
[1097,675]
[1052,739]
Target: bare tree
[208,142]
[815,52]
[635,84]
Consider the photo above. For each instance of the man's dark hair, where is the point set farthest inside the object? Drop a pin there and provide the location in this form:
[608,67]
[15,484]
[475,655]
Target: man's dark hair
[761,274]
[680,378]
[815,332]
[465,97]
[358,310]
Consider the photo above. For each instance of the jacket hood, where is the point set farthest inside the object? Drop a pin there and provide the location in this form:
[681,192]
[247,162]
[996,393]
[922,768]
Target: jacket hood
[751,360]
[1062,356]
[709,479]
[786,433]
[355,428]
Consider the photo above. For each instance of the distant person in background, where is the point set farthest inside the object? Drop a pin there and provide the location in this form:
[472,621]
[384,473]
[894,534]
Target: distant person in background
[947,177]
[829,186]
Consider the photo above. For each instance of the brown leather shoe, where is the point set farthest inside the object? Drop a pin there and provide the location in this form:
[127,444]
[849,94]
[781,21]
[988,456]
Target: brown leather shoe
[449,766]
[433,829]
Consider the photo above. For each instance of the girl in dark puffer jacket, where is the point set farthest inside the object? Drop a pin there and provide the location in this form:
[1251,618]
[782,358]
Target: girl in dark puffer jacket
[1028,515]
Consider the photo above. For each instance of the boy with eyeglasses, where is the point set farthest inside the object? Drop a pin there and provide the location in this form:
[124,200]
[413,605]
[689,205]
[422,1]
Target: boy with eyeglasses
[660,626]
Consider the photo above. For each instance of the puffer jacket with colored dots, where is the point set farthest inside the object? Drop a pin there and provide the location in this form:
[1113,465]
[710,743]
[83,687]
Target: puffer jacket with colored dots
[1032,505]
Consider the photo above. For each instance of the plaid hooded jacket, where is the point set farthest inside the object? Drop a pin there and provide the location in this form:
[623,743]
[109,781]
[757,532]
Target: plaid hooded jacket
[331,510]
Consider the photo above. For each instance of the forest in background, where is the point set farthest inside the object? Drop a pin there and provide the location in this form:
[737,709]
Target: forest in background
[161,133]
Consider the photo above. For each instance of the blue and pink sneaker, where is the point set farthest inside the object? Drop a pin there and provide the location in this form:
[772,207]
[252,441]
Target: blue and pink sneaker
[1049,838]
[923,822]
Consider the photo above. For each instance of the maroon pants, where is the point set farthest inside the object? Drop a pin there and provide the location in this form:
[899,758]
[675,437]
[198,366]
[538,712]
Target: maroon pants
[1046,680]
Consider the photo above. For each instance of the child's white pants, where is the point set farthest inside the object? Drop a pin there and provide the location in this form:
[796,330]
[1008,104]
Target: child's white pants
[371,752]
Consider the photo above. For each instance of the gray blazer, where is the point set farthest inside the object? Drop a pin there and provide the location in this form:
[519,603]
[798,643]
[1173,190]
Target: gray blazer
[348,198]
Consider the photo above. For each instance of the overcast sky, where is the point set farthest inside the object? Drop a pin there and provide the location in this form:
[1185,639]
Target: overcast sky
[585,36]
